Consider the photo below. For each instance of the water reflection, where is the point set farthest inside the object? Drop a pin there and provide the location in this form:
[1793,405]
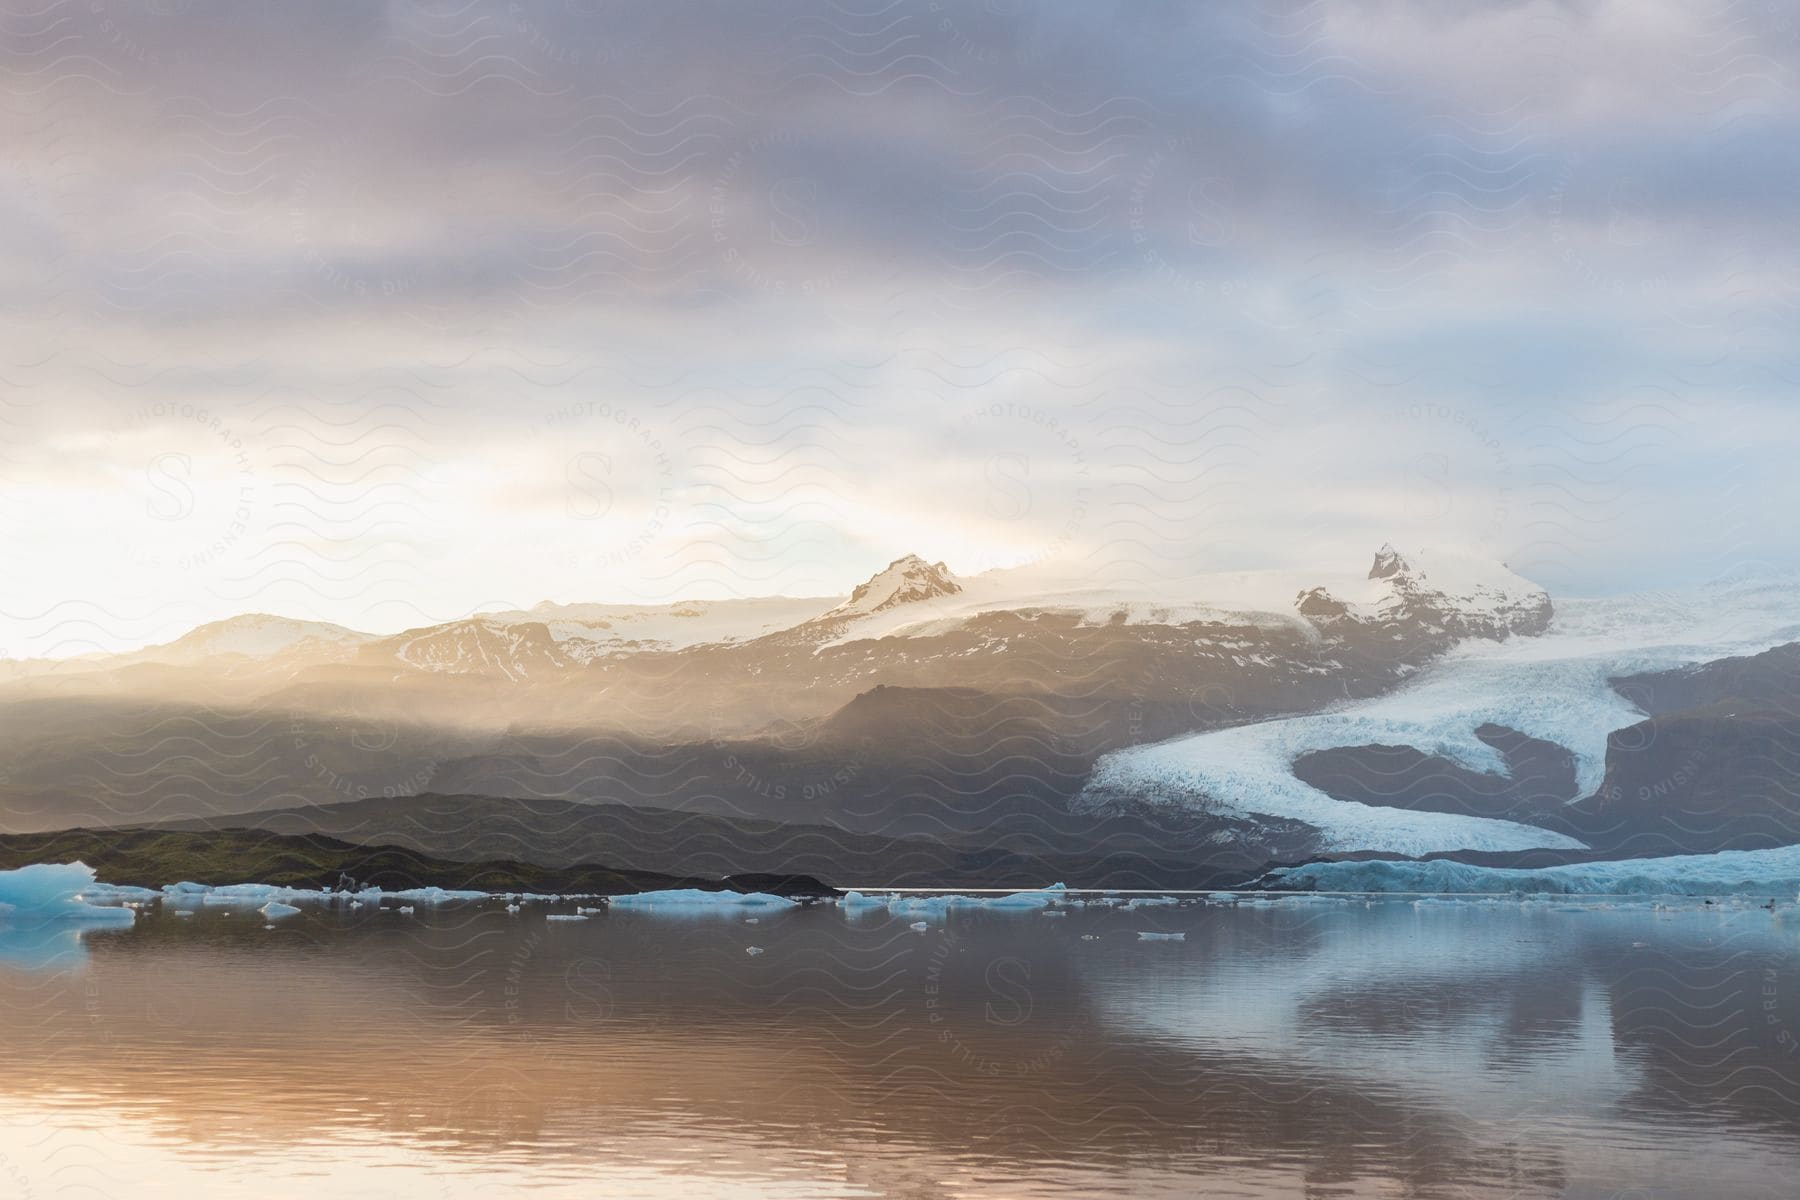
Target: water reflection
[1306,1049]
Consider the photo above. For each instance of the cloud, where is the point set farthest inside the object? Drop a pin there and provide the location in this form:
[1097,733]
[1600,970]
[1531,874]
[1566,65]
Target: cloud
[1235,264]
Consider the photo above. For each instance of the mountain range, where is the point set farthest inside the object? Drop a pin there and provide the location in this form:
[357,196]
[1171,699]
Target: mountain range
[1009,722]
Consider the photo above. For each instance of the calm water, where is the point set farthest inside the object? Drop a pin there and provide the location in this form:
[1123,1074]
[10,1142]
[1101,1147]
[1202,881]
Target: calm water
[1308,1049]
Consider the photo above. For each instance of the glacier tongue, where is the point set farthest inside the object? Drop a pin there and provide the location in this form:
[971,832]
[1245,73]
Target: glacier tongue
[1555,688]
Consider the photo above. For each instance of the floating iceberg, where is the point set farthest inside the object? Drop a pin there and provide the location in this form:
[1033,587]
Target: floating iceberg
[109,893]
[937,907]
[274,910]
[932,908]
[45,892]
[1042,898]
[433,895]
[1161,937]
[692,899]
[565,917]
[1727,873]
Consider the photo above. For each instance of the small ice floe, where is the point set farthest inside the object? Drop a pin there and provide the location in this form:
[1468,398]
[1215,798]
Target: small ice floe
[565,916]
[691,899]
[1090,937]
[1054,912]
[183,912]
[1144,936]
[1042,898]
[934,908]
[512,908]
[588,912]
[123,894]
[404,908]
[857,902]
[753,920]
[919,926]
[937,907]
[436,895]
[246,895]
[1137,902]
[274,910]
[753,951]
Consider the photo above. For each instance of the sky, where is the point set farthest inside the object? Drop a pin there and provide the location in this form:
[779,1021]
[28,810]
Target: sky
[386,314]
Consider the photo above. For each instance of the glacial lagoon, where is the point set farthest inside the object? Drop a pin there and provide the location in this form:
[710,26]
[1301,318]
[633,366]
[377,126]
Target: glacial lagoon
[1320,1046]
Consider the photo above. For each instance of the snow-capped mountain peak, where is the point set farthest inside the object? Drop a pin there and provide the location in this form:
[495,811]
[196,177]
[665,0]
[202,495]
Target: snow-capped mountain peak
[1388,563]
[1459,595]
[903,581]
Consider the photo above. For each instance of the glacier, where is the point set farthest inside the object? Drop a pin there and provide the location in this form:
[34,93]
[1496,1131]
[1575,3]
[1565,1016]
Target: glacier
[1554,687]
[1760,873]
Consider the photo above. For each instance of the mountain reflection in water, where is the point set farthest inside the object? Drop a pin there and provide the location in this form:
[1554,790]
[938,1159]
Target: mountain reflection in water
[1300,1048]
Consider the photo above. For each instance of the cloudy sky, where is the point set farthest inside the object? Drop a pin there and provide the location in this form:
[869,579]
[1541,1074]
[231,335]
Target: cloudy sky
[388,313]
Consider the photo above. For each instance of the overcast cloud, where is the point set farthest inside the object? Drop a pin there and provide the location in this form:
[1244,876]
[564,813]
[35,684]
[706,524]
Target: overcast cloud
[388,313]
